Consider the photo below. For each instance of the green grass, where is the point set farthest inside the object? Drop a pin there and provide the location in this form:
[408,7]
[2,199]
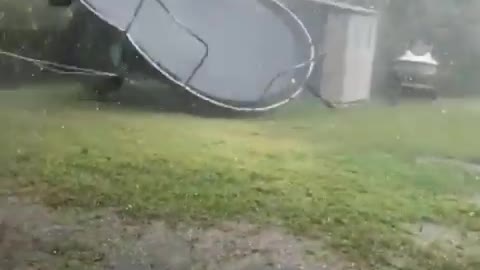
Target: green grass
[348,177]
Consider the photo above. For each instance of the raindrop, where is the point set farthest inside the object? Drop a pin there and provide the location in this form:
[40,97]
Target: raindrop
[69,14]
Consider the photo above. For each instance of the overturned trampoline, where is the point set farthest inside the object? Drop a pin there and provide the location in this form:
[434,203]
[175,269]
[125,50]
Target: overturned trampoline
[247,55]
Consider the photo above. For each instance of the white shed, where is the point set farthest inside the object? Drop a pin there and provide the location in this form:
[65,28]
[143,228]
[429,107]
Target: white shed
[347,35]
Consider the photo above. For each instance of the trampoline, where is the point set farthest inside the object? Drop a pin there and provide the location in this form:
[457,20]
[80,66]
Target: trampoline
[247,55]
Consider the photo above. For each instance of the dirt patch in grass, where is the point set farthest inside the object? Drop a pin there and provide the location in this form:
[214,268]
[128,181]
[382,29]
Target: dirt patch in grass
[245,246]
[34,237]
[426,234]
[450,243]
[467,166]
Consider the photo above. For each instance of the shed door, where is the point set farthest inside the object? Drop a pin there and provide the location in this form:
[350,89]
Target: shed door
[361,40]
[333,69]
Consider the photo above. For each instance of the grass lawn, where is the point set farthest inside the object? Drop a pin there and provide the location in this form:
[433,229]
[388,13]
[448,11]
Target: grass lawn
[349,177]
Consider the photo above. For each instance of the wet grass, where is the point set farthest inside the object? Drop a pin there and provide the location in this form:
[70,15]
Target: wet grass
[348,177]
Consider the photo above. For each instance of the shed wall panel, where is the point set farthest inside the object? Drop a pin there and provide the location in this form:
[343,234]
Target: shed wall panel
[334,63]
[359,56]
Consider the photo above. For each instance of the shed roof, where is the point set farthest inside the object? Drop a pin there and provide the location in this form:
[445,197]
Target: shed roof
[345,6]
